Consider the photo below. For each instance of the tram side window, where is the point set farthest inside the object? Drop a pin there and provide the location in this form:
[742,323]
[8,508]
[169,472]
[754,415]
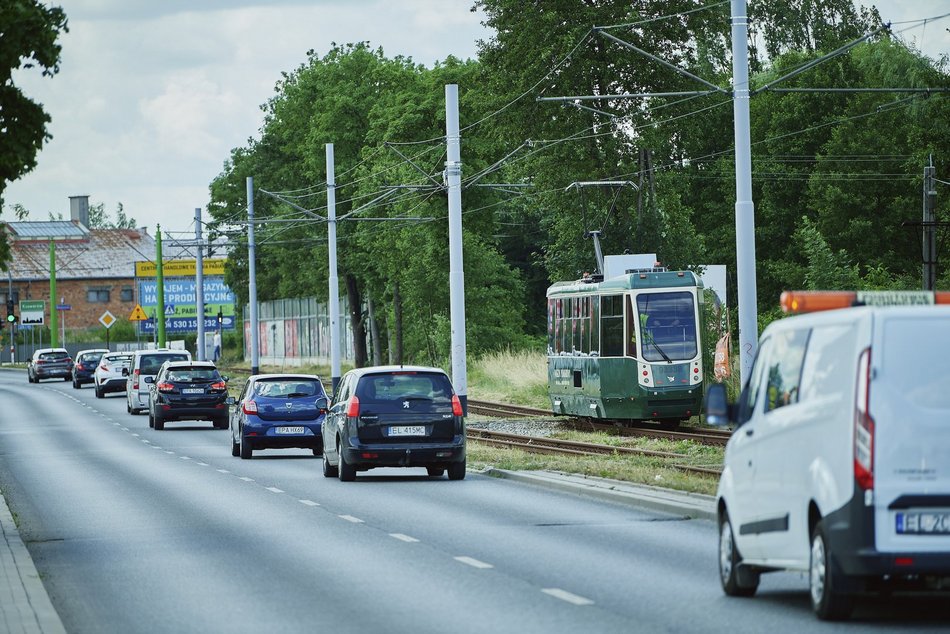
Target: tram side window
[631,328]
[611,326]
[594,324]
[552,320]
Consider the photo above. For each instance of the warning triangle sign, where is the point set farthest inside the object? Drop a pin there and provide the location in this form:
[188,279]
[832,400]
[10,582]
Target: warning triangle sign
[138,314]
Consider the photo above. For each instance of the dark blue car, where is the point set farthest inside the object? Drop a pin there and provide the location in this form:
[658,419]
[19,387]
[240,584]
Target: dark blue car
[279,411]
[84,369]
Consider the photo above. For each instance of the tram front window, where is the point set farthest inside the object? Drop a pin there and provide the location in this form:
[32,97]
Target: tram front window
[668,323]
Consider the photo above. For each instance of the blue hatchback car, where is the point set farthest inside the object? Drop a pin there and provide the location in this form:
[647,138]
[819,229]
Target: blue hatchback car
[278,411]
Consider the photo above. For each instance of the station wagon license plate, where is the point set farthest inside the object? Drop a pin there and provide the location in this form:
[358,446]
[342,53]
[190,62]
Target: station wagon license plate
[408,430]
[192,390]
[288,430]
[924,523]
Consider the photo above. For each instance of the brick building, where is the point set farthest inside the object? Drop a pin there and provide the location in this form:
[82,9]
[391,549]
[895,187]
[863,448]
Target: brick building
[95,268]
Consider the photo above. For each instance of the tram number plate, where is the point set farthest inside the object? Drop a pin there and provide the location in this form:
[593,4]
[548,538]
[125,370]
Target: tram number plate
[408,430]
[289,430]
[924,523]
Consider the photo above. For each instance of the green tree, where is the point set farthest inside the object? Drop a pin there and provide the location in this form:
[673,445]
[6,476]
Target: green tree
[99,218]
[30,32]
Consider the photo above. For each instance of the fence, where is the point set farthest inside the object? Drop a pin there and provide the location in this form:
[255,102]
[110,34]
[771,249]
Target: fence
[296,332]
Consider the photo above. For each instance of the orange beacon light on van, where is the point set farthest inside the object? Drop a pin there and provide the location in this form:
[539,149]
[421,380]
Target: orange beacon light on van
[811,301]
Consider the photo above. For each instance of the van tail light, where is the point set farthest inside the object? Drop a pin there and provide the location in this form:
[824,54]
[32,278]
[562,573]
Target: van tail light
[135,379]
[165,387]
[457,406]
[863,425]
[249,407]
[353,409]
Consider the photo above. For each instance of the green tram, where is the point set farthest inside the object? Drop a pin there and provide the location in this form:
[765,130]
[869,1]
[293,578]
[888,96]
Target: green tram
[627,348]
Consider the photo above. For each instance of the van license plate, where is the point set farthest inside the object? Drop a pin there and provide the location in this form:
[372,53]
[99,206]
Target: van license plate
[408,430]
[923,523]
[289,430]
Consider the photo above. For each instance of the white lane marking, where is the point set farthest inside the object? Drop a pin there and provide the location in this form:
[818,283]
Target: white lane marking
[185,458]
[170,452]
[404,538]
[155,447]
[203,464]
[309,502]
[274,489]
[350,518]
[223,471]
[116,424]
[247,479]
[125,429]
[564,595]
[474,563]
[136,435]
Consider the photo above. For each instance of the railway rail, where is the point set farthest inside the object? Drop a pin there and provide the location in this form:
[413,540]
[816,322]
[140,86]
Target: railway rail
[539,444]
[714,437]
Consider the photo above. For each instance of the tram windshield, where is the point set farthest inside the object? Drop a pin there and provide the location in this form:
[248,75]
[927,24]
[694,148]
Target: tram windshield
[667,326]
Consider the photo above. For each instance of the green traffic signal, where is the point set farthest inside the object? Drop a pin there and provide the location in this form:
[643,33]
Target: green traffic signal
[11,318]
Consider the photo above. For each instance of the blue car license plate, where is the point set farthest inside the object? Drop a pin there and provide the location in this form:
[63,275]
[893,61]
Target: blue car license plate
[289,430]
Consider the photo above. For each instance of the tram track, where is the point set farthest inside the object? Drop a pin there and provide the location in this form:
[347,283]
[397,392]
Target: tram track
[712,437]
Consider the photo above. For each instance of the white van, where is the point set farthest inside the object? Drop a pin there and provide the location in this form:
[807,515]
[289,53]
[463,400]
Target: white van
[146,363]
[840,465]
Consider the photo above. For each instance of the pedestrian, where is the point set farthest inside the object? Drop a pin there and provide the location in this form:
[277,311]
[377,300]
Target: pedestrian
[217,345]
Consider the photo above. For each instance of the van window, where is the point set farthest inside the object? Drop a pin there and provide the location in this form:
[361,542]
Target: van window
[785,368]
[151,363]
[750,395]
[829,362]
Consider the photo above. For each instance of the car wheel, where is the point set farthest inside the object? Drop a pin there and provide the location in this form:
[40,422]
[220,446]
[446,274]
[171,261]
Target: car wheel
[221,423]
[736,579]
[75,385]
[827,601]
[99,393]
[457,471]
[435,472]
[159,423]
[246,451]
[151,419]
[329,471]
[235,447]
[67,378]
[345,471]
[128,407]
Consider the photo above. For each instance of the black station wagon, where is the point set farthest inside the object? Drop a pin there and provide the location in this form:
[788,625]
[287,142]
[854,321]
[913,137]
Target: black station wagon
[394,416]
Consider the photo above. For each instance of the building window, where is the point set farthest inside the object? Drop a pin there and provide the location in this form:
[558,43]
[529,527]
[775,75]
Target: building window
[97,295]
[127,295]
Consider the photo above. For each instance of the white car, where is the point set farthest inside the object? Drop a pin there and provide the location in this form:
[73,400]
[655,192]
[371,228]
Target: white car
[146,363]
[840,465]
[109,376]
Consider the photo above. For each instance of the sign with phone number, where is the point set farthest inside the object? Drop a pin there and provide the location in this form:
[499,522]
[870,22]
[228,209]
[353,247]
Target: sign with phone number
[189,324]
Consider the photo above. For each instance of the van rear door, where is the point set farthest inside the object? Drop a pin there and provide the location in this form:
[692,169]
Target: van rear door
[909,402]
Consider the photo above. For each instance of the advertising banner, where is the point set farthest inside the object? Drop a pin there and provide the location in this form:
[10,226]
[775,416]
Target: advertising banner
[180,309]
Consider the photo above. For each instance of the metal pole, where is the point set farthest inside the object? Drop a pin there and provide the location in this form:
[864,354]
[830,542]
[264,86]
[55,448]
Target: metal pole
[453,172]
[745,209]
[159,290]
[929,228]
[334,279]
[62,322]
[199,289]
[252,279]
[53,317]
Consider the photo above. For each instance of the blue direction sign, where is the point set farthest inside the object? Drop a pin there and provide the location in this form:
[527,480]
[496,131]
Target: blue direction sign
[63,307]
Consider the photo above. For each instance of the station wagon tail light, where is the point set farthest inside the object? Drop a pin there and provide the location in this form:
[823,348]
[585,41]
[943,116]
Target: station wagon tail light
[863,425]
[353,408]
[165,387]
[249,407]
[457,406]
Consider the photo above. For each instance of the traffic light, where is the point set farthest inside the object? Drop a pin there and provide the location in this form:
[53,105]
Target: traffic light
[220,319]
[11,318]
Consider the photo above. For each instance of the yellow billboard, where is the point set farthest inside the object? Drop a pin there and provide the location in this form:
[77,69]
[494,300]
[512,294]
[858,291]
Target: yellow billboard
[181,268]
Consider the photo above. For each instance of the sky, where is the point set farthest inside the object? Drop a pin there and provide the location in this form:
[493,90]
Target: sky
[152,97]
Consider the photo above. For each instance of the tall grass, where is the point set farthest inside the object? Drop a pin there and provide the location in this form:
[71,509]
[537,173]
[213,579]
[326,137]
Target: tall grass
[519,377]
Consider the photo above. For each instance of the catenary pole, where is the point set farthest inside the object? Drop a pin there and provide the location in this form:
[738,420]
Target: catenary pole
[53,317]
[159,289]
[334,279]
[252,280]
[929,228]
[745,209]
[199,290]
[453,173]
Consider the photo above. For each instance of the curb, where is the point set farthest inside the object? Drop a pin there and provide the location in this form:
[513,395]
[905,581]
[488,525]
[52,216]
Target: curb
[691,505]
[24,604]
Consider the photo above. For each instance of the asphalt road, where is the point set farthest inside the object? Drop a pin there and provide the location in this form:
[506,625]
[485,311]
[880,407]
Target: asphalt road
[135,530]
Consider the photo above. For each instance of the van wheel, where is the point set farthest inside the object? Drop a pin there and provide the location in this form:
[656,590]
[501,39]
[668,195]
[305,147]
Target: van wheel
[737,580]
[329,471]
[457,471]
[347,472]
[827,601]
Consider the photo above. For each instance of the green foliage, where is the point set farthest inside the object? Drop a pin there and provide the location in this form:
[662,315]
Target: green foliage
[99,218]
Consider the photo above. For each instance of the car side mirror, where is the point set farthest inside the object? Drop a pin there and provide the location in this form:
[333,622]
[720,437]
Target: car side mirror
[230,400]
[322,404]
[149,379]
[125,372]
[716,406]
[225,378]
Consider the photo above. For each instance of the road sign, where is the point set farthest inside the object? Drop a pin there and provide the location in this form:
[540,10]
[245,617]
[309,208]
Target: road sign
[138,314]
[32,312]
[107,319]
[169,310]
[63,307]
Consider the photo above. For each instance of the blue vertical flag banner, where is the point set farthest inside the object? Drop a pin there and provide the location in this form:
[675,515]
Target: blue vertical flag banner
[180,299]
